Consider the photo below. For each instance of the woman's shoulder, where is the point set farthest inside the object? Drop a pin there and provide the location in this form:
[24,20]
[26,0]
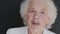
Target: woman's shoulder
[49,32]
[18,30]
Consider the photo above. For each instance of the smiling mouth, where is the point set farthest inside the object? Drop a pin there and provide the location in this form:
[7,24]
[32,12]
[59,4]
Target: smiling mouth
[34,23]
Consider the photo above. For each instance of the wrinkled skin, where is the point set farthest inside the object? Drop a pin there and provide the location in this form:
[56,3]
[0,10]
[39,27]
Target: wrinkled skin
[37,16]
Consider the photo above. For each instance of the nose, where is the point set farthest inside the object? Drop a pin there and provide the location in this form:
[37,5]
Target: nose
[36,16]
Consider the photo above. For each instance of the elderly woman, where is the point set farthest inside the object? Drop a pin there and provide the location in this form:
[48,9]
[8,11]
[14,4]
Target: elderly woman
[38,16]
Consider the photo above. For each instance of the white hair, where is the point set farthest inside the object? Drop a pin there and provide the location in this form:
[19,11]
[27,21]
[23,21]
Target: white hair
[52,11]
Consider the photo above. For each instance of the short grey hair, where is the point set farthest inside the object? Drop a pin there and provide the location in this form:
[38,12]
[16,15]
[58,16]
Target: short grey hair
[52,11]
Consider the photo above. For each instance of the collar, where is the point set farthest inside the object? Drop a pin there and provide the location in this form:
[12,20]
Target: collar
[46,31]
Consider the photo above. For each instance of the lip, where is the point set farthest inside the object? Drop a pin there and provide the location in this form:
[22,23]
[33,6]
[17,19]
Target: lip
[35,23]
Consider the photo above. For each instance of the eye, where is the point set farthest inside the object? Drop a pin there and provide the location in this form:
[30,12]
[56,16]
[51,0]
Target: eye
[31,11]
[42,12]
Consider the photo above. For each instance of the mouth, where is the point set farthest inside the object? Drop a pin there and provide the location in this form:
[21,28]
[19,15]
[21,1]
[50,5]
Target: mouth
[35,23]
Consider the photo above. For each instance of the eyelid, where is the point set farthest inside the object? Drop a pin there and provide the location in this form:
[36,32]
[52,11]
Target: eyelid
[32,11]
[43,11]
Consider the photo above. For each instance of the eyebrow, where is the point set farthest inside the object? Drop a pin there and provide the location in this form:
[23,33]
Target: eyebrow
[35,9]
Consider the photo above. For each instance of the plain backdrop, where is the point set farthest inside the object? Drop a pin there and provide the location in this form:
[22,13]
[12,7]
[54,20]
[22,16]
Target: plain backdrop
[10,16]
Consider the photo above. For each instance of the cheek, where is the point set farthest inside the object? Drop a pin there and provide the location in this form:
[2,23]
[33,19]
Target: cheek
[44,19]
[29,17]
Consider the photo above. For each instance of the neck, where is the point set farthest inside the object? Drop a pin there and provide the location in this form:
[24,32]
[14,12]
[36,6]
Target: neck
[37,31]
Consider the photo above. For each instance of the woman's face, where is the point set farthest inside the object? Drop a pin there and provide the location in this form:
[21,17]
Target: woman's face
[37,14]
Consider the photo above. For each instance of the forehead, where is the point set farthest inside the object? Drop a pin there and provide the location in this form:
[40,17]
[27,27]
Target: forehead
[38,4]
